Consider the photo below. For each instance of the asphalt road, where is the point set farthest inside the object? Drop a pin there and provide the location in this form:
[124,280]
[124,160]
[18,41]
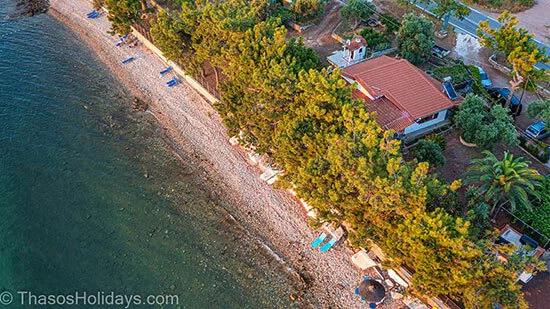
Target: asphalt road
[470,24]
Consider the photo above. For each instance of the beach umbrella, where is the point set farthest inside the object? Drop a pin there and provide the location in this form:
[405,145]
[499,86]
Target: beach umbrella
[372,290]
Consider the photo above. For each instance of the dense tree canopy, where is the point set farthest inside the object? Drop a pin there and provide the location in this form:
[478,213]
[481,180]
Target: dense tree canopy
[415,38]
[171,35]
[123,14]
[334,155]
[429,151]
[307,9]
[485,127]
[356,11]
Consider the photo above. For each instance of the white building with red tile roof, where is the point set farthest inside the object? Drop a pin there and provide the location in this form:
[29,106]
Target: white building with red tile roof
[353,52]
[404,98]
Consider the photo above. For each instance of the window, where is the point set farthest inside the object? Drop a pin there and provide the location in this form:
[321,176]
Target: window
[427,118]
[361,50]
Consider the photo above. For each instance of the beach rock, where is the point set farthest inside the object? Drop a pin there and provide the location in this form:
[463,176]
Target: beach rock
[32,7]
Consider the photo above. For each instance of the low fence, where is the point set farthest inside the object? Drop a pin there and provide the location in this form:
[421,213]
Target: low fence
[195,84]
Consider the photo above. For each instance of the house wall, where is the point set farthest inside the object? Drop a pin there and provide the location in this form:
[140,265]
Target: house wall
[418,126]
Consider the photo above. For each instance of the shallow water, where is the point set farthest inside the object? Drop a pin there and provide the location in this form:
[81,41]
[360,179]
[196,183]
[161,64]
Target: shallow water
[91,197]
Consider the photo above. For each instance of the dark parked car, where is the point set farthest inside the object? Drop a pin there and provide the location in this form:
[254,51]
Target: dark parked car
[501,95]
[537,130]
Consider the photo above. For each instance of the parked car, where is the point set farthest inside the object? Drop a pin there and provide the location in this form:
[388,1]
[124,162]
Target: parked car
[501,95]
[485,81]
[537,130]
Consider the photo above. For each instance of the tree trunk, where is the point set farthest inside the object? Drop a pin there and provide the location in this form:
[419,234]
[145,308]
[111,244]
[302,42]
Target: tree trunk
[143,5]
[217,76]
[514,84]
[524,88]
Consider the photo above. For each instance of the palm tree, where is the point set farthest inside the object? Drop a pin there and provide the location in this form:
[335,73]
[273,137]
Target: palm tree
[508,180]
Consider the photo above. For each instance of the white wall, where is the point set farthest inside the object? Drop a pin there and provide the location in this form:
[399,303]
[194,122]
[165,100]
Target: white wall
[417,126]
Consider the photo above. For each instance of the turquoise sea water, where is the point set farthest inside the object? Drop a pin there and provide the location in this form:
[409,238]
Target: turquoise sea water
[91,197]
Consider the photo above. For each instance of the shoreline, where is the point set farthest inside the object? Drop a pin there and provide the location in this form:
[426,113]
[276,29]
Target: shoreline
[193,128]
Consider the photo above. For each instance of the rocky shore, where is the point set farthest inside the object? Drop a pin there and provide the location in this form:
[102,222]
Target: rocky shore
[274,217]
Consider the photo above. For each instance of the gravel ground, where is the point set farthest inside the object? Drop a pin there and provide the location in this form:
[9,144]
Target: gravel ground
[273,216]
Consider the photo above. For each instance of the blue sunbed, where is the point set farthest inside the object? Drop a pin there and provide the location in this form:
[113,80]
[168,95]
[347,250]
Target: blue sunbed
[318,241]
[328,245]
[119,43]
[92,12]
[168,69]
[95,15]
[124,37]
[128,60]
[173,82]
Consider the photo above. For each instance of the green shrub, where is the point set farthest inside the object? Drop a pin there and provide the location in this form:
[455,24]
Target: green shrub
[375,40]
[429,151]
[438,139]
[537,149]
[458,72]
[390,24]
[485,127]
[538,217]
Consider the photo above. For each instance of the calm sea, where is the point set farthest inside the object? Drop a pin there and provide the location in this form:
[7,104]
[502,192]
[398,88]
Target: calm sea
[91,197]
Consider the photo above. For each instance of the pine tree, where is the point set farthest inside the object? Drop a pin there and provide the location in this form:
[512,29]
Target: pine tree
[415,38]
[122,15]
[170,35]
[517,45]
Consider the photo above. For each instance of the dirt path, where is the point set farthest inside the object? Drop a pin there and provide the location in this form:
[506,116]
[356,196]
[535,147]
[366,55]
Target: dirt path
[318,36]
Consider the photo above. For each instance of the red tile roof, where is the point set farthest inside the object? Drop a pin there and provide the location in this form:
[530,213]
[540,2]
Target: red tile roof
[405,92]
[388,116]
[356,43]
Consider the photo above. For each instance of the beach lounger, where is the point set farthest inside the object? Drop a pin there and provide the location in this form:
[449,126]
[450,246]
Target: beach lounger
[128,60]
[168,69]
[124,37]
[328,245]
[92,12]
[95,15]
[119,43]
[175,82]
[318,241]
[172,82]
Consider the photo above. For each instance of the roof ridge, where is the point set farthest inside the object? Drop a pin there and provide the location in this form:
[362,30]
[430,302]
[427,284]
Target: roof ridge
[394,62]
[395,102]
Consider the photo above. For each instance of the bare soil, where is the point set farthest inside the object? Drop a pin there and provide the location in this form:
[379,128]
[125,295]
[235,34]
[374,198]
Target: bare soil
[393,8]
[458,157]
[537,291]
[318,36]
